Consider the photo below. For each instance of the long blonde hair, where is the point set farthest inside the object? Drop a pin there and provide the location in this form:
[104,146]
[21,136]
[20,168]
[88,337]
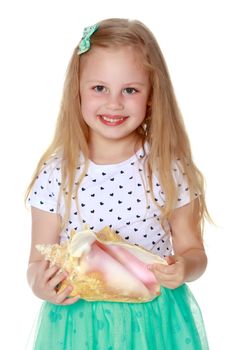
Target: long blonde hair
[163,127]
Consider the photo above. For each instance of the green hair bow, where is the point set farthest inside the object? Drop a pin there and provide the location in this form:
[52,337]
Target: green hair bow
[85,43]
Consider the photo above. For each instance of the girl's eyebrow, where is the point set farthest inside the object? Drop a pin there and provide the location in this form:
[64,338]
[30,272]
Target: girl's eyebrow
[97,81]
[105,83]
[135,83]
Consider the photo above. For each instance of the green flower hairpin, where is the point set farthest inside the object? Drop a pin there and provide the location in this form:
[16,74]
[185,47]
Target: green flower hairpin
[85,43]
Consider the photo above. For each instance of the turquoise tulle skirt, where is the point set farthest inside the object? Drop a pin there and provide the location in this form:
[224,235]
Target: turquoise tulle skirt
[171,321]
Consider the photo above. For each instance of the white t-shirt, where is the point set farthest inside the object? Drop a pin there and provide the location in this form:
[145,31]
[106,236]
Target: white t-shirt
[112,195]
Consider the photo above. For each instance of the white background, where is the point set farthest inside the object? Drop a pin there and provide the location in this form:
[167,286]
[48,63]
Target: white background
[37,39]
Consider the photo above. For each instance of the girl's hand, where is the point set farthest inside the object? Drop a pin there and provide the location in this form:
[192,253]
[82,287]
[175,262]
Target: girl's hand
[171,275]
[46,278]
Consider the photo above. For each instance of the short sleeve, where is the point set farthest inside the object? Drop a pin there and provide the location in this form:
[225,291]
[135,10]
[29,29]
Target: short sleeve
[45,191]
[181,182]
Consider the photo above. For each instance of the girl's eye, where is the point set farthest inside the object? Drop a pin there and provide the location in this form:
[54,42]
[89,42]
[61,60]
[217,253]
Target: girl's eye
[130,90]
[99,88]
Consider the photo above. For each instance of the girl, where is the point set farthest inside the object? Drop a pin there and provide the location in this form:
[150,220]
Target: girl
[120,157]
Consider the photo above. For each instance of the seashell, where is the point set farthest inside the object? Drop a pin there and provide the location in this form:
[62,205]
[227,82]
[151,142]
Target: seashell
[102,266]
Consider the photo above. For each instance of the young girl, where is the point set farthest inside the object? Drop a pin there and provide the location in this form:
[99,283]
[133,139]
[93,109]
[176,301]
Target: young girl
[120,157]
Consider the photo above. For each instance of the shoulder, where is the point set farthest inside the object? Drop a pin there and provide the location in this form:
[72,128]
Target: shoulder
[50,172]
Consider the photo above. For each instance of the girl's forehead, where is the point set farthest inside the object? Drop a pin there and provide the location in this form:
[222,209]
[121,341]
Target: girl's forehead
[125,60]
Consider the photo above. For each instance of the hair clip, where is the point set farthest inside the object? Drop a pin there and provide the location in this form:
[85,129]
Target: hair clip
[85,43]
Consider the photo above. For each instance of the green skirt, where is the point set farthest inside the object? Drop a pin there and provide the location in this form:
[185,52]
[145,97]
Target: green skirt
[171,321]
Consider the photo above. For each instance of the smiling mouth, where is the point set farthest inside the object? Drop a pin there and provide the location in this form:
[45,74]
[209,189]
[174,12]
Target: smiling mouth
[112,119]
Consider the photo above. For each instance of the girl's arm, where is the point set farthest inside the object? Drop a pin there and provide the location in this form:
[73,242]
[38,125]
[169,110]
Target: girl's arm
[42,277]
[189,261]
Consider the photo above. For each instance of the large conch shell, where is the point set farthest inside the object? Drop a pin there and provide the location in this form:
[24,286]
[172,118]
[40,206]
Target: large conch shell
[102,266]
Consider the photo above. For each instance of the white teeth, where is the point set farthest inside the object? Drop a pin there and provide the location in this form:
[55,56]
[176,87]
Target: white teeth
[111,120]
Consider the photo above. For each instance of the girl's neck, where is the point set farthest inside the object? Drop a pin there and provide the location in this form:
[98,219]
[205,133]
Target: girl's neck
[113,151]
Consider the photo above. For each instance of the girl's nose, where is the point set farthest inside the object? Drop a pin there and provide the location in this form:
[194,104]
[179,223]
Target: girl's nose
[115,102]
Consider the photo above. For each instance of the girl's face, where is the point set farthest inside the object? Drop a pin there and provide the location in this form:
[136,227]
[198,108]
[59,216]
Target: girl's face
[114,90]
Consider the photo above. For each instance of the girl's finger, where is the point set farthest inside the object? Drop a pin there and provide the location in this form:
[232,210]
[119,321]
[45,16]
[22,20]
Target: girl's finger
[170,259]
[61,297]
[70,301]
[161,277]
[165,269]
[53,282]
[50,272]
